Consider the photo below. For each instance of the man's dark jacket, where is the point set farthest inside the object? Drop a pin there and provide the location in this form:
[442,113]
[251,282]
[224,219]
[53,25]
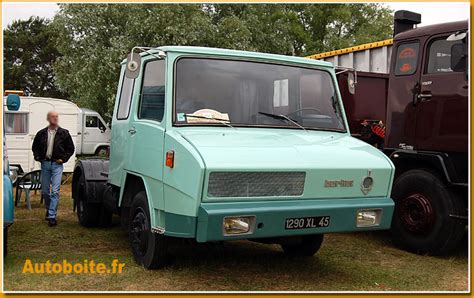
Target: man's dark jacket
[63,147]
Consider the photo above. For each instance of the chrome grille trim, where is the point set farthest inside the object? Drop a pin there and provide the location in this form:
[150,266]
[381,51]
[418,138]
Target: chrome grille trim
[255,184]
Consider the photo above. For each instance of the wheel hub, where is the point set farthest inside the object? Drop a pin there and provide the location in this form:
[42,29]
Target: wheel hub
[139,232]
[416,213]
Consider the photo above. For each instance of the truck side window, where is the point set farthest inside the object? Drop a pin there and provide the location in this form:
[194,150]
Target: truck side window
[407,58]
[125,98]
[16,123]
[91,121]
[439,59]
[152,101]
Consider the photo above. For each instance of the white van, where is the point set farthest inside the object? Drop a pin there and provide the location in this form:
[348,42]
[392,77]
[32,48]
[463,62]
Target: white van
[87,128]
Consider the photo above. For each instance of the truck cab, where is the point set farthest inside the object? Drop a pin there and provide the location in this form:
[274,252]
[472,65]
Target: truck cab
[427,134]
[411,101]
[216,145]
[94,134]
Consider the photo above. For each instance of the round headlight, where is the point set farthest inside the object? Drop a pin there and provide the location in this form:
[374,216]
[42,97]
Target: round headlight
[368,182]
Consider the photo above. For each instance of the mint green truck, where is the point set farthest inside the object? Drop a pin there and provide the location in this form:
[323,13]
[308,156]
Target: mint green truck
[217,145]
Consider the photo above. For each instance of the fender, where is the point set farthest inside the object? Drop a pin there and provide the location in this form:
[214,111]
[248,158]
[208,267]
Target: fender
[95,172]
[156,221]
[101,145]
[440,161]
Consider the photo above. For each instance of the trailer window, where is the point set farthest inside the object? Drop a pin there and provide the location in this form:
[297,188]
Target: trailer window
[125,98]
[152,100]
[16,123]
[439,58]
[407,58]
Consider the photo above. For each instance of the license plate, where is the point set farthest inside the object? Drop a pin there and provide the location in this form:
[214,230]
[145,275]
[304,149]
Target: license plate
[307,222]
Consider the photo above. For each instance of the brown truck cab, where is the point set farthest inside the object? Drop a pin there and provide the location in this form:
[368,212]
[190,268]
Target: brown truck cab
[411,101]
[427,134]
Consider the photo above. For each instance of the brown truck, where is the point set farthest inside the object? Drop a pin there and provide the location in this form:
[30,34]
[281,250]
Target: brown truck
[410,99]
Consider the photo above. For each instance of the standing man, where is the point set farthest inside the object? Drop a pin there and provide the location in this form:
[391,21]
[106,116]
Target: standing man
[52,146]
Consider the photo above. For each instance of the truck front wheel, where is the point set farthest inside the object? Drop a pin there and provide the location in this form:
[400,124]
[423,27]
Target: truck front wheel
[304,246]
[149,249]
[427,214]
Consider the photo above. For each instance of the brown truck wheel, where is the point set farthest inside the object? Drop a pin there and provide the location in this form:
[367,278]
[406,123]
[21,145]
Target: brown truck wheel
[150,250]
[423,220]
[307,246]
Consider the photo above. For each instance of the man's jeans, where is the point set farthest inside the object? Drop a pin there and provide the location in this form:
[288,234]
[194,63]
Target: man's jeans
[51,174]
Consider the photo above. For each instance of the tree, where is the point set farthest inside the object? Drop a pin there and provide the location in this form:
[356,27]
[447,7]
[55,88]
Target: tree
[303,29]
[28,58]
[94,38]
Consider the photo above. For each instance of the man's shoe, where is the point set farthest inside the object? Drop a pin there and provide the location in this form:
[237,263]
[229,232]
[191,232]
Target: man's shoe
[52,222]
[46,216]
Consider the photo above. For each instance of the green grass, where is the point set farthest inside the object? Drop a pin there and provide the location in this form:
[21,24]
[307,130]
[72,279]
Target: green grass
[365,261]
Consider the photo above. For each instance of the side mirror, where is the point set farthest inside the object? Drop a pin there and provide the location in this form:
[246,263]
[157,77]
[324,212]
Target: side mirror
[351,81]
[134,61]
[459,57]
[351,77]
[133,65]
[13,102]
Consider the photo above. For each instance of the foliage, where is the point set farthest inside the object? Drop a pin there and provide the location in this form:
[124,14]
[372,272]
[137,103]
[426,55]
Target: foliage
[28,58]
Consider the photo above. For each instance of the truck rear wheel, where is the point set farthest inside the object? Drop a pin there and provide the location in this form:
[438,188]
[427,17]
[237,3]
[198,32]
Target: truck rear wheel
[426,218]
[89,214]
[150,250]
[307,246]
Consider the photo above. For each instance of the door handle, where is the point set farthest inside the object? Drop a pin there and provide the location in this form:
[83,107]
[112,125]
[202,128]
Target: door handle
[423,97]
[132,131]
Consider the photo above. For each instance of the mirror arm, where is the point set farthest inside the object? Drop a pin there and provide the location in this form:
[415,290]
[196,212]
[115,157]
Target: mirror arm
[343,69]
[160,55]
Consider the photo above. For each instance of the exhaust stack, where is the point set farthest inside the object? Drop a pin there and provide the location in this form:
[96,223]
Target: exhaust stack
[404,20]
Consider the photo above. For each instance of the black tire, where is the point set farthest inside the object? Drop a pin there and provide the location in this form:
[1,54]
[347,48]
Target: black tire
[90,215]
[306,247]
[150,250]
[421,222]
[5,241]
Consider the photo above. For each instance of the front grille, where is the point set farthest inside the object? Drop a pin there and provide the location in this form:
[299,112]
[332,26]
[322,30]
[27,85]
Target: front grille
[255,184]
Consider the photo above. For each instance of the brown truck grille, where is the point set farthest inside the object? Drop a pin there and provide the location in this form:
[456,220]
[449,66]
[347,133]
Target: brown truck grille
[255,184]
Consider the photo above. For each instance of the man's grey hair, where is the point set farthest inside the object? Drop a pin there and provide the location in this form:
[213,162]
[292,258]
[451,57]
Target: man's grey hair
[50,113]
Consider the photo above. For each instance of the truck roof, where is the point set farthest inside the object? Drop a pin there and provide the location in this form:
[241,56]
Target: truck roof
[236,53]
[416,32]
[433,29]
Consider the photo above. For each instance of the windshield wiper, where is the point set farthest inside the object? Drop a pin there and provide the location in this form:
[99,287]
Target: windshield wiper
[221,121]
[283,118]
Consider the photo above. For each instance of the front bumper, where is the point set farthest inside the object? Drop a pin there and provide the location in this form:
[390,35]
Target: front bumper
[272,216]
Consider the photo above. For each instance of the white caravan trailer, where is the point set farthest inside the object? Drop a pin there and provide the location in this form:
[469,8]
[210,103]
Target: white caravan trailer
[87,128]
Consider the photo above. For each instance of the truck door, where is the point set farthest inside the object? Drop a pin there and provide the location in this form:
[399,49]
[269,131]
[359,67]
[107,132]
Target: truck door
[147,130]
[120,132]
[442,105]
[403,87]
[94,133]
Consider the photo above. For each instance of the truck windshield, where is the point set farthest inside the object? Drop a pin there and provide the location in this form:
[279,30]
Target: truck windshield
[245,93]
